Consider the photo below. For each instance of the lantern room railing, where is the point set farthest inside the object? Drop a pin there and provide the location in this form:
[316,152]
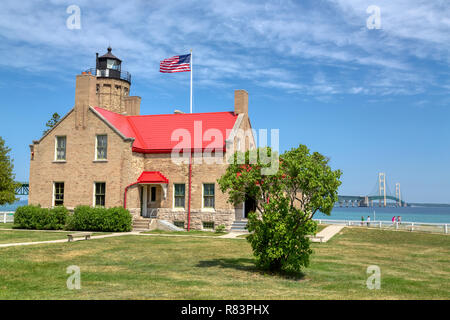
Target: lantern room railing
[110,73]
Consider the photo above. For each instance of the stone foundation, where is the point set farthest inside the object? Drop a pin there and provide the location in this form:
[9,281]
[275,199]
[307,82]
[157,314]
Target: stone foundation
[218,217]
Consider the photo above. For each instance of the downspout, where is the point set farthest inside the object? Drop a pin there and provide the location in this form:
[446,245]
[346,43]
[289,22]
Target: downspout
[190,187]
[125,194]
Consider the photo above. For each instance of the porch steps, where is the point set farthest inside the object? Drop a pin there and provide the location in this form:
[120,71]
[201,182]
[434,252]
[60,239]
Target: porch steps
[141,224]
[239,226]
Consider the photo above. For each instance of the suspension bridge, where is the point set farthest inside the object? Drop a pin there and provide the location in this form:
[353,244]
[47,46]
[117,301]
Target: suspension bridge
[23,189]
[380,196]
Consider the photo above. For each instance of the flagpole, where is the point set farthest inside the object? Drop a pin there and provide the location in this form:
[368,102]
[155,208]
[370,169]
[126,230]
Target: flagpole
[191,81]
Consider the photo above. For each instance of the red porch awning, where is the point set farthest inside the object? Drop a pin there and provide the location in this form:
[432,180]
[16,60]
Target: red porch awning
[152,177]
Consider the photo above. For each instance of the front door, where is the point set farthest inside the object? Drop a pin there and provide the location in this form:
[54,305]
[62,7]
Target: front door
[151,197]
[249,206]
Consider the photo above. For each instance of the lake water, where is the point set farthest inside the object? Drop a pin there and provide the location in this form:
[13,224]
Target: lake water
[13,207]
[408,214]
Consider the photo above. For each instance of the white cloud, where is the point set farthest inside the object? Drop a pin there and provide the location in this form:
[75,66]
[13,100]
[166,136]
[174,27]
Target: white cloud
[310,47]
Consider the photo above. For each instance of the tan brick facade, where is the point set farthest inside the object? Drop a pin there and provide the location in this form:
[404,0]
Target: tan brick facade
[80,170]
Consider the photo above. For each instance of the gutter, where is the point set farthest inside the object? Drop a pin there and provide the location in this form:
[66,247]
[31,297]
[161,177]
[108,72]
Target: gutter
[190,187]
[125,193]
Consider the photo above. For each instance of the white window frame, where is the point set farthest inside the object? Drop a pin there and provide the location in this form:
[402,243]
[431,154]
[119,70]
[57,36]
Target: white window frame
[96,147]
[203,197]
[54,192]
[93,193]
[173,200]
[56,149]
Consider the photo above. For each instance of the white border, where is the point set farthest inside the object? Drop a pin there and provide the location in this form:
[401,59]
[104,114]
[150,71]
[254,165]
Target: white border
[96,145]
[56,149]
[208,209]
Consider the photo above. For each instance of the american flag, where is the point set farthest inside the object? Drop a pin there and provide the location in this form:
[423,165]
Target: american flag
[176,64]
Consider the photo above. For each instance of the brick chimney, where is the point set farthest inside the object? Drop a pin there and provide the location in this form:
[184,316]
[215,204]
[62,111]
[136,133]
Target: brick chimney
[85,96]
[132,105]
[240,102]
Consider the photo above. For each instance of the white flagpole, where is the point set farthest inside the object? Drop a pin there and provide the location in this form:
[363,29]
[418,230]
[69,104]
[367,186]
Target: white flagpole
[191,81]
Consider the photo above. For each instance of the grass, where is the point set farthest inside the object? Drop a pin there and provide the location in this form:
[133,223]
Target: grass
[190,233]
[413,266]
[16,236]
[7,225]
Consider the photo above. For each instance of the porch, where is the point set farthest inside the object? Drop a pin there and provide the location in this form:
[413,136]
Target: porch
[153,190]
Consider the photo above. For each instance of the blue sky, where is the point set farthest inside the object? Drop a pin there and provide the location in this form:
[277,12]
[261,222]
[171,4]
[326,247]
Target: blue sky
[373,100]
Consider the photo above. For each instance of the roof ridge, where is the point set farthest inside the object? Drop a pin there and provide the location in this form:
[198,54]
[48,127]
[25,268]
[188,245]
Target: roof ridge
[179,114]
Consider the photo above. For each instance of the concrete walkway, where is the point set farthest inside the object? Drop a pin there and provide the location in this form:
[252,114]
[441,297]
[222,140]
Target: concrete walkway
[226,236]
[327,233]
[65,240]
[233,234]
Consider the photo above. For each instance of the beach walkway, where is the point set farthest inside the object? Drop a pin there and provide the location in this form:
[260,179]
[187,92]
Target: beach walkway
[327,233]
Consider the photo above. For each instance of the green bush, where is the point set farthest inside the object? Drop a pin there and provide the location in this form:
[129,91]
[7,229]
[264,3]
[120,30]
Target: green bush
[35,217]
[220,229]
[86,218]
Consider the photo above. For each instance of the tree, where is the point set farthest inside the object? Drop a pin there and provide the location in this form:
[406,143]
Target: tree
[286,203]
[52,122]
[7,184]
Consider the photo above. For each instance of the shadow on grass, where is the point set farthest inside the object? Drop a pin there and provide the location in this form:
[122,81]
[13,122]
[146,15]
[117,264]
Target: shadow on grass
[248,265]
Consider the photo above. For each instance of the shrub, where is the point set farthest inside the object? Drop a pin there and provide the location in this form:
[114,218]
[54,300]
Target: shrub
[86,218]
[35,217]
[288,190]
[220,229]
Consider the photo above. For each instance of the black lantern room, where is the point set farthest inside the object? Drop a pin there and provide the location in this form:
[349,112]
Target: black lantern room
[109,66]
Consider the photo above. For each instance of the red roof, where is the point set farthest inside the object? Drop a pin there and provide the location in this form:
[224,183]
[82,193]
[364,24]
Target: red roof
[152,177]
[153,133]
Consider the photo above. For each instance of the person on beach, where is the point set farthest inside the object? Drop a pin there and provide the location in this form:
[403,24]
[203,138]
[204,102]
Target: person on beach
[393,219]
[368,221]
[399,220]
[362,221]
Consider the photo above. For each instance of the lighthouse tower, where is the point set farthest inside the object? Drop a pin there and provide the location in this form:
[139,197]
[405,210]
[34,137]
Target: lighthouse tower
[113,85]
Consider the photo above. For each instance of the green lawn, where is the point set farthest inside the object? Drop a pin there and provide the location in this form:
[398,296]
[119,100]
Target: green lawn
[413,266]
[7,236]
[15,236]
[8,225]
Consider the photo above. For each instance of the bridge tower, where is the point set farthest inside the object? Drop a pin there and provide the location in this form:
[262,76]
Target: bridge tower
[398,194]
[382,186]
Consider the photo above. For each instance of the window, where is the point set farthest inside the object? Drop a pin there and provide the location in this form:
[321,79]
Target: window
[102,147]
[60,148]
[208,195]
[58,194]
[100,191]
[179,224]
[208,225]
[153,194]
[179,195]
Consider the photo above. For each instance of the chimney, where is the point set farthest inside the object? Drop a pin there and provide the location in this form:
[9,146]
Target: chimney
[132,105]
[85,96]
[240,102]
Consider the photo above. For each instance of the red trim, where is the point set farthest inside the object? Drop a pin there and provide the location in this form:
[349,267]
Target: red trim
[141,150]
[190,186]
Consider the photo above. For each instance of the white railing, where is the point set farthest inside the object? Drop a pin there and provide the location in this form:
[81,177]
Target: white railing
[404,225]
[6,216]
[151,213]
